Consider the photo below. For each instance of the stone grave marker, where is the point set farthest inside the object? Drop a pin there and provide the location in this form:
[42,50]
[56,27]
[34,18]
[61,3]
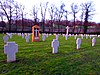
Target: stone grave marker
[43,37]
[55,45]
[27,37]
[10,49]
[22,35]
[5,38]
[78,42]
[93,41]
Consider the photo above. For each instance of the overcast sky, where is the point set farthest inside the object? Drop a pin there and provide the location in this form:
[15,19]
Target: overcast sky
[29,3]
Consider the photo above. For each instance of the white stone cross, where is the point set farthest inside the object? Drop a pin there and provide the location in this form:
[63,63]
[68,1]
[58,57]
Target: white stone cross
[93,41]
[5,38]
[67,30]
[10,49]
[78,42]
[55,45]
[36,32]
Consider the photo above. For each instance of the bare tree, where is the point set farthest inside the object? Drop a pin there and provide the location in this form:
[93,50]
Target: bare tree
[22,14]
[88,9]
[75,10]
[43,13]
[8,7]
[51,10]
[17,14]
[59,14]
[35,13]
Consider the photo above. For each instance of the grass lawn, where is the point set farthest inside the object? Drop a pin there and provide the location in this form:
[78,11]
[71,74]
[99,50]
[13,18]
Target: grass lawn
[36,58]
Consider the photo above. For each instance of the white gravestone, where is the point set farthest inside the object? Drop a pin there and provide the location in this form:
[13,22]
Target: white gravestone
[67,30]
[5,38]
[27,38]
[10,49]
[98,35]
[63,35]
[22,35]
[66,37]
[90,36]
[93,41]
[78,42]
[10,35]
[86,36]
[43,37]
[55,45]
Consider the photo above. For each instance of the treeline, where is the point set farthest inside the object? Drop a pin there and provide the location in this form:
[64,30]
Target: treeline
[15,14]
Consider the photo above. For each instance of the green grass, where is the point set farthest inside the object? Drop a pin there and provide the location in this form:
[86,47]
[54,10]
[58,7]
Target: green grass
[36,58]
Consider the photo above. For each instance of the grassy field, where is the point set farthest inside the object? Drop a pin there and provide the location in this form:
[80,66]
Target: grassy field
[36,58]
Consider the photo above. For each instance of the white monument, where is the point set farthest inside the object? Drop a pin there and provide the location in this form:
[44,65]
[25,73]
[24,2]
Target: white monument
[43,37]
[10,35]
[55,45]
[93,41]
[90,36]
[27,38]
[22,35]
[78,42]
[5,38]
[10,49]
[67,29]
[86,36]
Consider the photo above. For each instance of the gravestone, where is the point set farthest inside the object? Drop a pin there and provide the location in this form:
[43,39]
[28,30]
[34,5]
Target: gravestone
[22,35]
[10,35]
[93,41]
[55,45]
[90,36]
[10,49]
[35,33]
[78,42]
[82,36]
[43,37]
[67,29]
[63,35]
[98,35]
[5,38]
[86,36]
[27,38]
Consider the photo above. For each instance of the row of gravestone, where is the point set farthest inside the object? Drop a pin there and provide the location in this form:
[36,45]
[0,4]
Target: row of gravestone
[11,47]
[26,36]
